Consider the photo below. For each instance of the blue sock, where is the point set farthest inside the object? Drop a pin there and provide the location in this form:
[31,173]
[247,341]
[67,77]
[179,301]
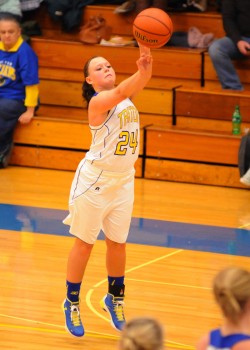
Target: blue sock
[73,291]
[116,280]
[116,286]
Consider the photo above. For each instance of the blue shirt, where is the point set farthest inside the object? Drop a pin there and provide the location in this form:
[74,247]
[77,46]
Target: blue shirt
[220,342]
[18,68]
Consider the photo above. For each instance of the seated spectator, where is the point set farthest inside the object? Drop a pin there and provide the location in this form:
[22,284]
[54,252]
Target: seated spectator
[231,289]
[142,334]
[18,82]
[235,45]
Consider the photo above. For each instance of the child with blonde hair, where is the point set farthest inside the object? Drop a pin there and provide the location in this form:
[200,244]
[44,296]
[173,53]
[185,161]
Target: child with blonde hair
[231,289]
[143,333]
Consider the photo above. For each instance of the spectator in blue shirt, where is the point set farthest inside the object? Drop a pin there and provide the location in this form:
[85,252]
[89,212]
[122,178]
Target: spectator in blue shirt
[18,82]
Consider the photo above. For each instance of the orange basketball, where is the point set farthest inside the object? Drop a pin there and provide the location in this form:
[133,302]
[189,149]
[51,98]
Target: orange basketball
[152,27]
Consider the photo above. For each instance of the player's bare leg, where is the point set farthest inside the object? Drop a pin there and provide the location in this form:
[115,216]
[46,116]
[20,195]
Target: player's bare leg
[77,262]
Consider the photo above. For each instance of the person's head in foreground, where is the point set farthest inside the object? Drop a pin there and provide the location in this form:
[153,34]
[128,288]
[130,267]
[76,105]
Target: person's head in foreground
[142,333]
[232,292]
[231,289]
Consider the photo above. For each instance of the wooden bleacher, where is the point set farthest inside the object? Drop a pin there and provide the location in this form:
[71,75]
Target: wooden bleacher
[210,109]
[178,154]
[170,70]
[210,78]
[122,25]
[184,90]
[51,143]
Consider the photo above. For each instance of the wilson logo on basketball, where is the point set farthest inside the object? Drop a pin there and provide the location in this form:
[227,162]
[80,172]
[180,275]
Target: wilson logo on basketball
[144,38]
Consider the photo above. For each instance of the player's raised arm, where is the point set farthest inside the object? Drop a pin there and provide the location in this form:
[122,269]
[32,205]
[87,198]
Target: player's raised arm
[108,98]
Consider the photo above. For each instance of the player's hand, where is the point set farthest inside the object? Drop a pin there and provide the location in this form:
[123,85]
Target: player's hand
[144,50]
[144,63]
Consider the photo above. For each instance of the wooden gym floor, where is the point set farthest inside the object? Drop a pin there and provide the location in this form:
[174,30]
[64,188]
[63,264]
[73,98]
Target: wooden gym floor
[181,235]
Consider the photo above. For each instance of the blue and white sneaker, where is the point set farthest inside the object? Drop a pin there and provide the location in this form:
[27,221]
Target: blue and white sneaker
[73,323]
[114,306]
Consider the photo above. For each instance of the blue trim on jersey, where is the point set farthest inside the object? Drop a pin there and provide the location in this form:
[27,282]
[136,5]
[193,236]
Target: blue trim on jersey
[161,233]
[17,70]
[220,342]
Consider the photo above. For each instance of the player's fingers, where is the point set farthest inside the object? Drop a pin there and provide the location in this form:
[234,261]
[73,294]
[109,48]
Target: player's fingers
[144,50]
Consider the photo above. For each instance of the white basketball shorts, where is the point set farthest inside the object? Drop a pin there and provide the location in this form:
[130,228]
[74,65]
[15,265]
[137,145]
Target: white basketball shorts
[100,200]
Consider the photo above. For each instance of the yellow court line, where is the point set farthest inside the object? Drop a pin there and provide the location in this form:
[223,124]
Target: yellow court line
[155,260]
[144,264]
[90,291]
[46,324]
[90,306]
[168,284]
[87,334]
[47,330]
[58,331]
[243,226]
[88,301]
[30,320]
[180,347]
[172,344]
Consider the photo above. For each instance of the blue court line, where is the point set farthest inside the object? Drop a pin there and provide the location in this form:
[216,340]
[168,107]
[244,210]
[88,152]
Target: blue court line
[160,233]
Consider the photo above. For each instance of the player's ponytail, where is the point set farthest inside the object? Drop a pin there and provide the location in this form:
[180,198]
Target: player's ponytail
[87,89]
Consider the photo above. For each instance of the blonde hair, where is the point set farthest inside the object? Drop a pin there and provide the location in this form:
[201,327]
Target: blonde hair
[142,334]
[232,291]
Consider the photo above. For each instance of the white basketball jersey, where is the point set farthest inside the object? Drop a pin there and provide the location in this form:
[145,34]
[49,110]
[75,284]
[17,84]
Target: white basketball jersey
[115,143]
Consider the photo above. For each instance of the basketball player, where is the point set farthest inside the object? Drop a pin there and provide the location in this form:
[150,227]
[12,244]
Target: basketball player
[102,192]
[232,292]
